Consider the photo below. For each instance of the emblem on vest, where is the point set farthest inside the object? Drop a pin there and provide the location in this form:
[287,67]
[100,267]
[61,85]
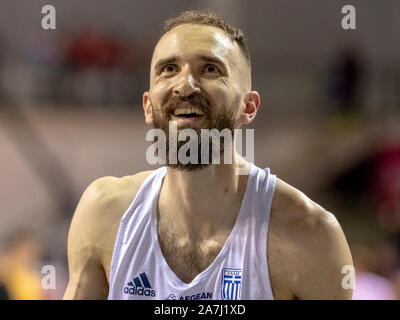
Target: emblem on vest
[231,284]
[140,286]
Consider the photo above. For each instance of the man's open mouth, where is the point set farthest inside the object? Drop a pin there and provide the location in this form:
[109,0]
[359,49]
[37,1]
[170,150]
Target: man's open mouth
[188,112]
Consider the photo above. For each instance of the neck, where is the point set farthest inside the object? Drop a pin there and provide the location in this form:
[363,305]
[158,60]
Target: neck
[197,198]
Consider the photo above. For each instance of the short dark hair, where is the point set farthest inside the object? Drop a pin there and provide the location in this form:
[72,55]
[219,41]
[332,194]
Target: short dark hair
[209,18]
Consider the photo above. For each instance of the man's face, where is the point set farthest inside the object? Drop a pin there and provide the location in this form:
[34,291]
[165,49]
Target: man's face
[196,79]
[196,60]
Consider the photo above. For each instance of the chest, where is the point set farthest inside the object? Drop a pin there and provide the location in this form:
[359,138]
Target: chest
[188,257]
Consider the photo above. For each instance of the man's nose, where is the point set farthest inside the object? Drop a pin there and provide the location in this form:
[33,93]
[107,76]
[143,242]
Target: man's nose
[187,84]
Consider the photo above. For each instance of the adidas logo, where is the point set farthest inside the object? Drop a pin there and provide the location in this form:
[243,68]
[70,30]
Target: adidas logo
[140,286]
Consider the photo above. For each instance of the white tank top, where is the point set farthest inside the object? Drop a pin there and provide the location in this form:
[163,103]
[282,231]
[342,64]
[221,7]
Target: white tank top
[240,271]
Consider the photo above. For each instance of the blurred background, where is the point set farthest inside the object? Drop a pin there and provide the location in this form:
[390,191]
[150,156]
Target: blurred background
[70,112]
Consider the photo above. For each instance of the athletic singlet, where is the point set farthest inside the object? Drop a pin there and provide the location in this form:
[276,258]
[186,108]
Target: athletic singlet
[139,270]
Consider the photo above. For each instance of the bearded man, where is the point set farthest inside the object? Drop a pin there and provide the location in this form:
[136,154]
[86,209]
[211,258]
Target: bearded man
[200,230]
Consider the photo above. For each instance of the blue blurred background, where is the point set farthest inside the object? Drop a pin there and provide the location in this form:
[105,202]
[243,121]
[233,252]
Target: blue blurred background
[70,112]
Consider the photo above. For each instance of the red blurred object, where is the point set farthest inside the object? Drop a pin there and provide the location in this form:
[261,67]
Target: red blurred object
[386,183]
[93,49]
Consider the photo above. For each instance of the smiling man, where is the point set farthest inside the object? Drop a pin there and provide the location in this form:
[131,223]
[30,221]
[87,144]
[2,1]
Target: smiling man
[199,230]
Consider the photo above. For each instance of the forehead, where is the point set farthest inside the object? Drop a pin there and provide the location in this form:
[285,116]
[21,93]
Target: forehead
[189,40]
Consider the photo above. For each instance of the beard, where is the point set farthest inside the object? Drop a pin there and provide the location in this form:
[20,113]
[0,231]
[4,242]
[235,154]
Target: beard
[220,120]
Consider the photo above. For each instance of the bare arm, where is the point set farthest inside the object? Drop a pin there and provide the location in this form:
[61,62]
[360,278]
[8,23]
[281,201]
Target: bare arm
[323,255]
[87,278]
[93,231]
[308,249]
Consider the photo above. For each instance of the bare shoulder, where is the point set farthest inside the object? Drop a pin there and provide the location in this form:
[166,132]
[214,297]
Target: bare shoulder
[295,210]
[93,231]
[310,242]
[107,198]
[107,194]
[96,220]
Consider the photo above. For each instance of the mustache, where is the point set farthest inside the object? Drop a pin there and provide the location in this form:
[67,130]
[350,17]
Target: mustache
[196,100]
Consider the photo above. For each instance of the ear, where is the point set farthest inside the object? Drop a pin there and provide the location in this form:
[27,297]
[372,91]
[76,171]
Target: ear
[252,103]
[147,107]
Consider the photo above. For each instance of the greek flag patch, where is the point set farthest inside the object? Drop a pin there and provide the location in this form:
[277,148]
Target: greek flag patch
[231,284]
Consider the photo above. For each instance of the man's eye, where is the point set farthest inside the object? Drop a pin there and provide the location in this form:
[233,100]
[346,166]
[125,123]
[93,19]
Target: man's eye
[169,68]
[211,68]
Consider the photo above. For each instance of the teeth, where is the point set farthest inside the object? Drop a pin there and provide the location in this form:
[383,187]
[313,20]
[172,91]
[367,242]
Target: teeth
[180,111]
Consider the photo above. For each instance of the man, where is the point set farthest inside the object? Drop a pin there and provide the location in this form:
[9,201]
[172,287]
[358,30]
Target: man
[198,231]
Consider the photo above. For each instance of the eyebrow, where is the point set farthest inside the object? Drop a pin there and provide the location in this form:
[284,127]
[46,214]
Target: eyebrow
[165,61]
[205,58]
[213,59]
